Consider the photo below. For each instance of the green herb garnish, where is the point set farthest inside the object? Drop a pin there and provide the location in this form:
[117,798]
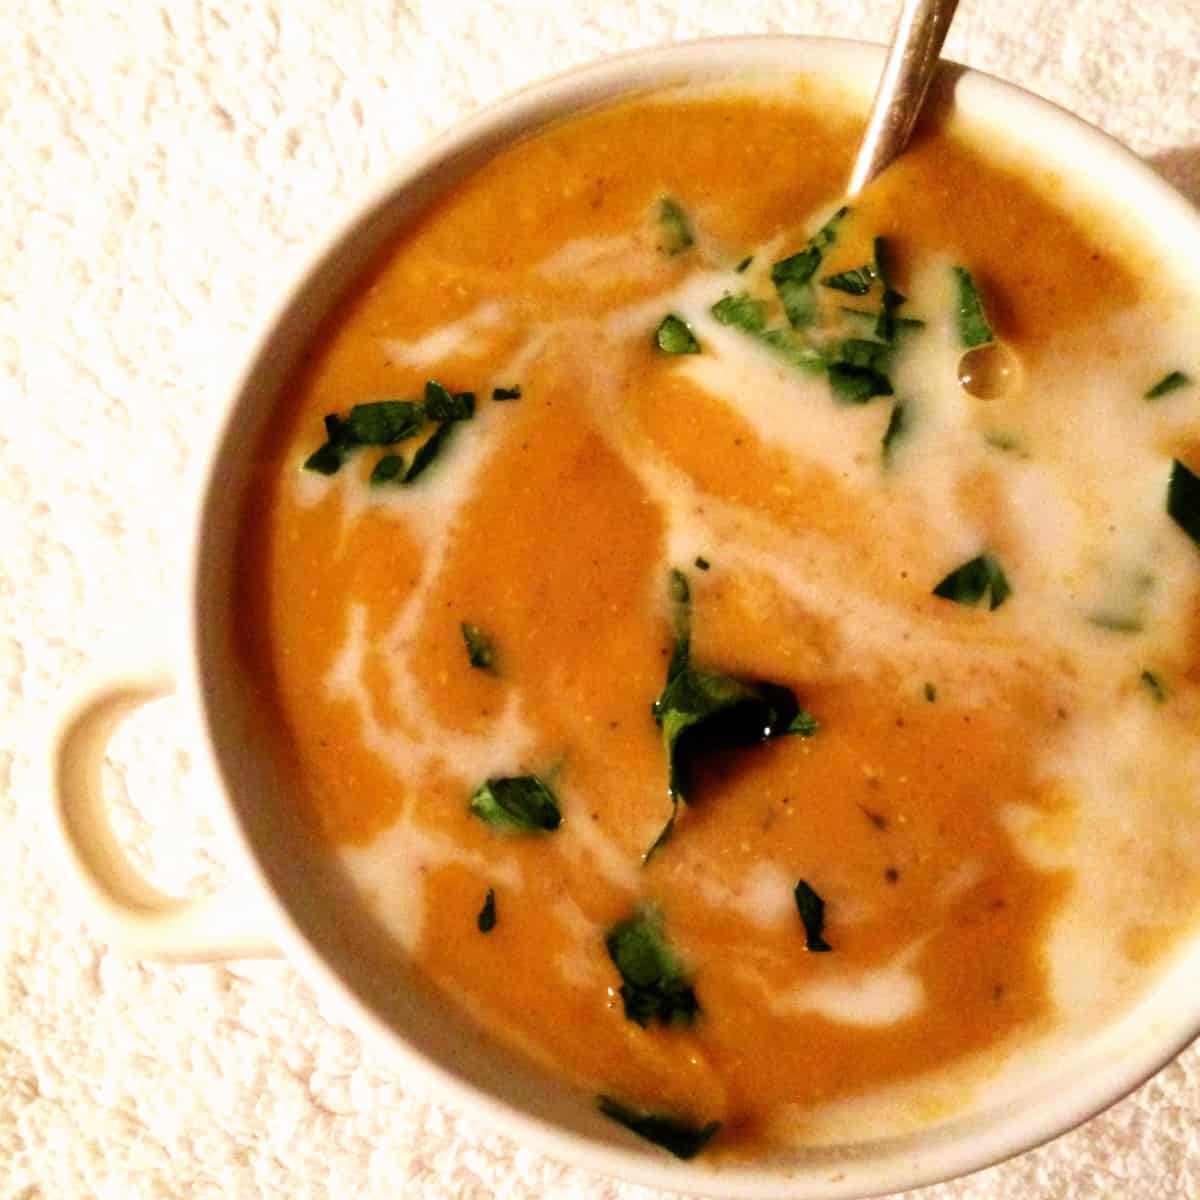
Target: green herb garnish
[429,450]
[794,350]
[675,229]
[857,282]
[899,324]
[389,469]
[339,442]
[517,804]
[681,1138]
[792,276]
[384,422]
[742,311]
[1154,686]
[857,385]
[969,584]
[973,327]
[486,921]
[741,267]
[1115,622]
[812,913]
[507,393]
[481,650]
[655,984]
[897,427]
[674,336]
[441,404]
[700,710]
[702,564]
[1183,500]
[1168,383]
[931,693]
[885,326]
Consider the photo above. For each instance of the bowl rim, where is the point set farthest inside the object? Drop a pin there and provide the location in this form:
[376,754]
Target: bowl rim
[915,1160]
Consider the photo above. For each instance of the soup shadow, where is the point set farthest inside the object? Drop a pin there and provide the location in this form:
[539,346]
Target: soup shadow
[1180,167]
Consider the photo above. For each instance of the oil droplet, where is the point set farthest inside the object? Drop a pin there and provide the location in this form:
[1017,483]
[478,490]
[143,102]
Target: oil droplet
[990,371]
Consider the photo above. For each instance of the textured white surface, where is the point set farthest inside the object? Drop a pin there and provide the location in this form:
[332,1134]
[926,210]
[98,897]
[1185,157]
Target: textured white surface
[165,168]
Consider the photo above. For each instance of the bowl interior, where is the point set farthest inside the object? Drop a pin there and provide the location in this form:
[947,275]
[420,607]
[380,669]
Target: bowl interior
[322,927]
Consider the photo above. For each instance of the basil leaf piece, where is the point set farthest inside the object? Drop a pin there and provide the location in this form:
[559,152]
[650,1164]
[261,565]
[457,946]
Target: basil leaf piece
[860,352]
[803,724]
[655,984]
[680,595]
[885,325]
[897,427]
[486,921]
[1154,686]
[1115,622]
[899,324]
[973,327]
[385,422]
[856,283]
[389,469]
[857,385]
[517,804]
[792,276]
[1168,383]
[674,336]
[741,311]
[443,405]
[507,393]
[1183,500]
[429,450]
[812,913]
[675,230]
[679,1137]
[339,441]
[741,267]
[794,350]
[326,459]
[481,650]
[969,584]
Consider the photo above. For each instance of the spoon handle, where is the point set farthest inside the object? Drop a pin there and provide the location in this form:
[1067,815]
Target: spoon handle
[912,59]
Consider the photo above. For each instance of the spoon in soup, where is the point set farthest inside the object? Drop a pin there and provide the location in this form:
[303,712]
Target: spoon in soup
[911,61]
[986,371]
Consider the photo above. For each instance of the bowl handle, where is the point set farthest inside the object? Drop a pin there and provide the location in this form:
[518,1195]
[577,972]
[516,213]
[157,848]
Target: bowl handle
[134,917]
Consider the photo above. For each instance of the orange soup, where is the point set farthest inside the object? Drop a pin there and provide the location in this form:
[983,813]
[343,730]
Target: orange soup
[744,648]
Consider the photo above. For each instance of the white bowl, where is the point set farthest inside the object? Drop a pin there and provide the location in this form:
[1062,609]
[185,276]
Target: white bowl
[292,900]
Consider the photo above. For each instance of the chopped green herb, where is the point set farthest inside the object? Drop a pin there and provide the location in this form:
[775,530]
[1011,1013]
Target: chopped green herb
[897,427]
[803,724]
[856,283]
[741,267]
[517,804]
[973,327]
[385,422]
[998,440]
[389,469]
[1183,500]
[486,921]
[655,984]
[1154,686]
[429,450]
[675,230]
[674,336]
[339,441]
[507,393]
[702,564]
[326,459]
[812,913]
[792,276]
[931,693]
[741,311]
[1168,383]
[885,326]
[969,584]
[443,405]
[794,350]
[859,352]
[679,1137]
[856,385]
[827,234]
[481,650]
[899,324]
[700,710]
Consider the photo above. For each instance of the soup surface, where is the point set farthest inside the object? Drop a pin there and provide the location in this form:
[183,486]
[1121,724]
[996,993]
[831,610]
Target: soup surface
[782,713]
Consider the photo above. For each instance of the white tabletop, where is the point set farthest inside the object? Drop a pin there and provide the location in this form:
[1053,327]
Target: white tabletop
[166,167]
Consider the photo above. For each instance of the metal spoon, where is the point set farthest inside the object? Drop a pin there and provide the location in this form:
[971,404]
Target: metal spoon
[911,61]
